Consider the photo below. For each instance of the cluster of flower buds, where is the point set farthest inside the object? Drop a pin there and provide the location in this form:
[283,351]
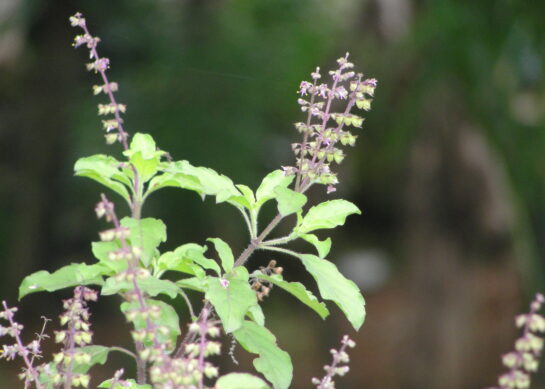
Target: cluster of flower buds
[28,352]
[524,360]
[75,319]
[339,366]
[263,288]
[190,369]
[324,129]
[114,126]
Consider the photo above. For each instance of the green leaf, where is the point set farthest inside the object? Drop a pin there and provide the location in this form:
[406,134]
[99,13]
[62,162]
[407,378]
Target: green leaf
[323,246]
[241,381]
[175,180]
[335,287]
[225,253]
[195,253]
[151,285]
[231,297]
[102,249]
[298,290]
[329,214]
[289,201]
[143,144]
[99,355]
[275,179]
[181,259]
[193,283]
[247,199]
[147,234]
[105,170]
[130,382]
[168,318]
[256,314]
[273,363]
[67,276]
[211,182]
[144,156]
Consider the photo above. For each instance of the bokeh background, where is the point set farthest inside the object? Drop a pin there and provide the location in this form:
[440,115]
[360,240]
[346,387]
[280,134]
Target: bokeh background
[448,170]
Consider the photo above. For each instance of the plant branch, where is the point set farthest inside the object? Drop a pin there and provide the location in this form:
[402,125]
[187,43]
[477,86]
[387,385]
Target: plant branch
[248,224]
[124,351]
[280,250]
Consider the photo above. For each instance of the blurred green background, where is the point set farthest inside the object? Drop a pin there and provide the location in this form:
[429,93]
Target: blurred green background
[448,169]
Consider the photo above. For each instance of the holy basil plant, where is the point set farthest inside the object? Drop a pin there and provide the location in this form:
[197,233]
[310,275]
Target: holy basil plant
[130,263]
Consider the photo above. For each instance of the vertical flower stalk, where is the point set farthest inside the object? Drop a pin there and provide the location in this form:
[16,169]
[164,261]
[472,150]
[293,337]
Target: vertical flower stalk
[338,367]
[324,128]
[524,360]
[76,335]
[133,273]
[114,126]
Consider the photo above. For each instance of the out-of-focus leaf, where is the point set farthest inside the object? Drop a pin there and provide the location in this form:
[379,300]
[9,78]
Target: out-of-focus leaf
[296,289]
[225,253]
[231,297]
[329,214]
[335,287]
[273,363]
[66,277]
[289,201]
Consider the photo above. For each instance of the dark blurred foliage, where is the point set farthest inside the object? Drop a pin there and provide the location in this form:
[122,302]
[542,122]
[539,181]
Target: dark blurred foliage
[448,169]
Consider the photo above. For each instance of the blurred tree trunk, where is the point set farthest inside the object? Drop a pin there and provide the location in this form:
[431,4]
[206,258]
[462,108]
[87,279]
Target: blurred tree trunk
[462,282]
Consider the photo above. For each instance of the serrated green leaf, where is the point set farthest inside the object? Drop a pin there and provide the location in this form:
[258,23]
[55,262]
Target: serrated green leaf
[298,290]
[256,314]
[99,355]
[231,297]
[289,201]
[105,170]
[329,214]
[275,179]
[146,234]
[323,246]
[225,253]
[335,287]
[168,318]
[151,285]
[274,363]
[67,276]
[241,381]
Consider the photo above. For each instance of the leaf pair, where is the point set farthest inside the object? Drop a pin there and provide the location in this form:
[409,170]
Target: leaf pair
[142,158]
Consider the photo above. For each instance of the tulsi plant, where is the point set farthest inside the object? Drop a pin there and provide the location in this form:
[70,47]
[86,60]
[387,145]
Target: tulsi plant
[129,263]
